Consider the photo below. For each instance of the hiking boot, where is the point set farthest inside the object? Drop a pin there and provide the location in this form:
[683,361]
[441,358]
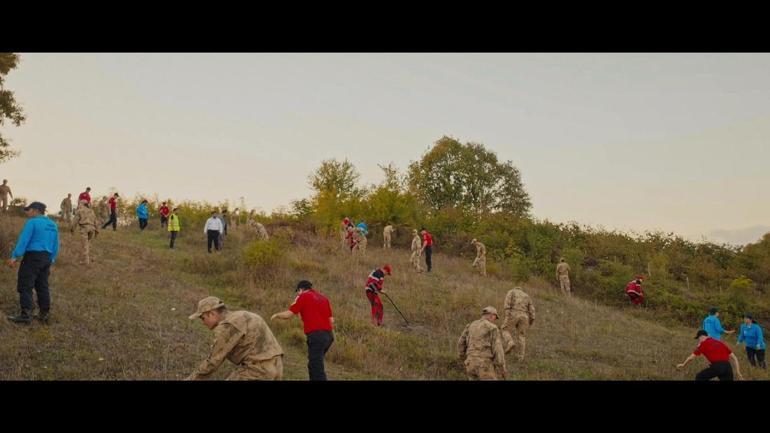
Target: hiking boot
[43,316]
[24,317]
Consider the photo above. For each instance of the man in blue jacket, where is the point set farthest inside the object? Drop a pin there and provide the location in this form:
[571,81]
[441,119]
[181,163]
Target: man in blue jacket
[37,246]
[713,326]
[142,214]
[751,333]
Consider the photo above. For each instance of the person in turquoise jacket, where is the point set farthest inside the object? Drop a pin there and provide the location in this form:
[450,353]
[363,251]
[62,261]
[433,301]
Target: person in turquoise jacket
[713,326]
[751,334]
[142,213]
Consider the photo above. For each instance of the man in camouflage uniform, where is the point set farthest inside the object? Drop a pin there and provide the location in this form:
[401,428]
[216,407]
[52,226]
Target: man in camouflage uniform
[562,274]
[243,338]
[85,223]
[519,316]
[416,247]
[481,257]
[387,233]
[261,231]
[5,191]
[482,348]
[66,208]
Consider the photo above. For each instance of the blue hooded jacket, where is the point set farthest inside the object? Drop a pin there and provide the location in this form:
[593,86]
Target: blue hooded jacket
[141,211]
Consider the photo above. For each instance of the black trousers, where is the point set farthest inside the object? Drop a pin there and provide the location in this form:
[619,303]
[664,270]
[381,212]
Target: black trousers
[428,254]
[213,236]
[113,220]
[318,343]
[173,239]
[33,273]
[722,369]
[142,223]
[756,356]
[163,221]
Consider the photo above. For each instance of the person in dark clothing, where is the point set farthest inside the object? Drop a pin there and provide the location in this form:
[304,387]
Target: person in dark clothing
[113,213]
[427,247]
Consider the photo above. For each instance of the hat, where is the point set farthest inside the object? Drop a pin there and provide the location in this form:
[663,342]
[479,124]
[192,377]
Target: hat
[701,332]
[304,285]
[36,205]
[207,304]
[387,269]
[713,310]
[473,241]
[748,316]
[489,310]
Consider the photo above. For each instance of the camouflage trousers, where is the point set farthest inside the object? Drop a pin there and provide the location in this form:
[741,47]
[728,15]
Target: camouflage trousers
[86,236]
[360,247]
[4,202]
[415,260]
[480,369]
[386,241]
[481,264]
[564,284]
[514,331]
[271,369]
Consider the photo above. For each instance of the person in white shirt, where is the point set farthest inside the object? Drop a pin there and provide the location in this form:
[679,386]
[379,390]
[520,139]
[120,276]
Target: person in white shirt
[213,229]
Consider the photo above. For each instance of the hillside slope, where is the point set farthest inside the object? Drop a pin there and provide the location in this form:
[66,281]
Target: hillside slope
[125,316]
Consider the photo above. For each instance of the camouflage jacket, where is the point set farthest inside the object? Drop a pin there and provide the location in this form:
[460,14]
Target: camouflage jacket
[482,339]
[517,300]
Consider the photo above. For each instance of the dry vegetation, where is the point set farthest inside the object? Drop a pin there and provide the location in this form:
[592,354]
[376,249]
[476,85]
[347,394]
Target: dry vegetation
[125,317]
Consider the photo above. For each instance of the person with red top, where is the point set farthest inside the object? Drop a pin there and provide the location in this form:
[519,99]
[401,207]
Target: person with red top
[634,290]
[113,213]
[164,212]
[85,196]
[316,314]
[718,355]
[427,247]
[373,289]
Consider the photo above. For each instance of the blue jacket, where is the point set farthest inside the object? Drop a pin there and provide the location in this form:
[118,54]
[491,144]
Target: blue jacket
[713,327]
[363,227]
[141,211]
[39,234]
[752,335]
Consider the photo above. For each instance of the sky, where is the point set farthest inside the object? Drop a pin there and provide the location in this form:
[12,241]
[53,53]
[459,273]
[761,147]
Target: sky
[663,141]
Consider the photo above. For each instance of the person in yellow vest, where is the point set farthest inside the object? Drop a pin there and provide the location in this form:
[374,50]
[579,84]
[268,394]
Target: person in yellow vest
[173,227]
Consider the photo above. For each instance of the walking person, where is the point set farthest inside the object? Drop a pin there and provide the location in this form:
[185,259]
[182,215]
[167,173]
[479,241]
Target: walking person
[562,274]
[416,248]
[751,333]
[713,326]
[173,227]
[213,230]
[85,195]
[481,348]
[5,191]
[142,213]
[163,211]
[113,202]
[427,247]
[66,208]
[37,247]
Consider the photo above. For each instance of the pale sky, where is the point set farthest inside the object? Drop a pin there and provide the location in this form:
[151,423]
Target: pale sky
[676,142]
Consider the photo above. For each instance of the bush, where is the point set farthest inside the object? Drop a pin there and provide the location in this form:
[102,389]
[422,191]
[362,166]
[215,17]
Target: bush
[262,257]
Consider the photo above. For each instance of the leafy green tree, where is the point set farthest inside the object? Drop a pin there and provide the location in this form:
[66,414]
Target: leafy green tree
[9,108]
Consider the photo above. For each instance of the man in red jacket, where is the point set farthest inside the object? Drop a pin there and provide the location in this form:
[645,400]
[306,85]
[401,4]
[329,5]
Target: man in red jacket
[634,291]
[85,196]
[164,212]
[373,289]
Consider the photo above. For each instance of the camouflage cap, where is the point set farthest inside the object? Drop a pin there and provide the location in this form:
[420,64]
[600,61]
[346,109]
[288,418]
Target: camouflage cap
[490,310]
[207,304]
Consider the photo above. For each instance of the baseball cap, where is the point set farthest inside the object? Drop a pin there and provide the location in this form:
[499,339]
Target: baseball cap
[207,304]
[36,205]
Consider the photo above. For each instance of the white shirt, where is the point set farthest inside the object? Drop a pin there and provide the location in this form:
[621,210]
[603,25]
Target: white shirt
[213,223]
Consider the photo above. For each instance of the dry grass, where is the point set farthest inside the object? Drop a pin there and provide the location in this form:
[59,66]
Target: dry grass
[125,317]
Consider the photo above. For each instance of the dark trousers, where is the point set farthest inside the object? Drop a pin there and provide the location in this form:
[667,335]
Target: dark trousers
[113,220]
[213,236]
[33,273]
[173,239]
[142,223]
[318,343]
[163,221]
[756,356]
[428,254]
[722,369]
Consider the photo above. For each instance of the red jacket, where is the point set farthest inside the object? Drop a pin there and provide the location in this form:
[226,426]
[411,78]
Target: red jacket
[634,287]
[375,280]
[84,196]
[164,211]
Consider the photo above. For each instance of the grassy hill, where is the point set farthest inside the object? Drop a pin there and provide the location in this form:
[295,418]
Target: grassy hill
[125,316]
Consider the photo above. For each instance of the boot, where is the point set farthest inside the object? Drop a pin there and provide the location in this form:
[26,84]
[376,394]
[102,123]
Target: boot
[43,316]
[25,317]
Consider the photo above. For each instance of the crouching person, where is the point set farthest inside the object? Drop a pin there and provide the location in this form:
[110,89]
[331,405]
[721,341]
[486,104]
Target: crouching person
[241,337]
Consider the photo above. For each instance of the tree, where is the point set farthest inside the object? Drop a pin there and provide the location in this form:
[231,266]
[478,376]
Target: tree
[9,108]
[468,177]
[336,178]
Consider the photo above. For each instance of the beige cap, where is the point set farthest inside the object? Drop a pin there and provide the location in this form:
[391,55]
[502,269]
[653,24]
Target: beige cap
[207,304]
[473,241]
[490,310]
